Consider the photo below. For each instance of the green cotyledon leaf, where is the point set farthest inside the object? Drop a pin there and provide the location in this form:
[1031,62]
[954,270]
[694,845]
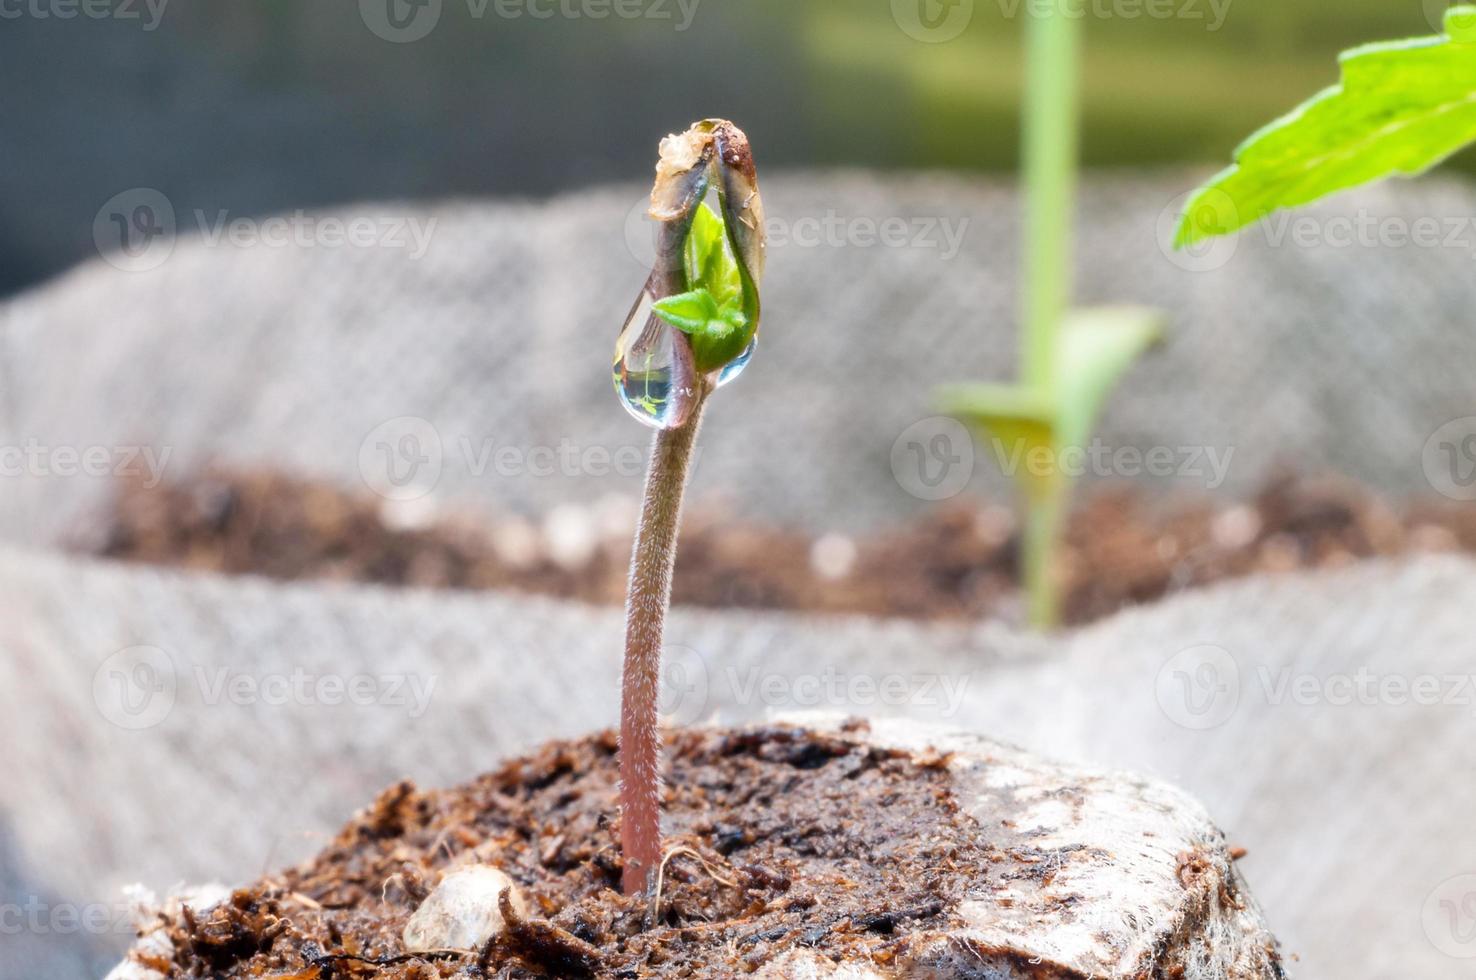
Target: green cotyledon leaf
[709,261]
[1402,107]
[711,312]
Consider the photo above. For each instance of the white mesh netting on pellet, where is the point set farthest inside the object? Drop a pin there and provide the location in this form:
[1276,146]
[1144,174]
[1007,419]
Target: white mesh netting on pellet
[132,759]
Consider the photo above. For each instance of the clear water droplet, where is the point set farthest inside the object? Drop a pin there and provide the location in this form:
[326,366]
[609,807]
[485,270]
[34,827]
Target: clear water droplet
[648,371]
[735,367]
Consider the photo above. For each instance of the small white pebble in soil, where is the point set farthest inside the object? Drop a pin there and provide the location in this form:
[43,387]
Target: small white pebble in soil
[407,515]
[570,536]
[994,525]
[1430,537]
[1236,527]
[516,543]
[833,556]
[462,912]
[1280,553]
[616,514]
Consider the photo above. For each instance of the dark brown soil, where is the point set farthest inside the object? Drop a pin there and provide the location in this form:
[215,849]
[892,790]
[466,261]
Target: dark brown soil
[951,562]
[804,840]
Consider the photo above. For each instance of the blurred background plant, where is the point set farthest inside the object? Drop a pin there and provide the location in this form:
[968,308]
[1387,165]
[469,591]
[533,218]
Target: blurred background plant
[259,106]
[1069,359]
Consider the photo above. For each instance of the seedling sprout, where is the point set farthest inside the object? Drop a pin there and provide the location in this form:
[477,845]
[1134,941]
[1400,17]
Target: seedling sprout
[692,330]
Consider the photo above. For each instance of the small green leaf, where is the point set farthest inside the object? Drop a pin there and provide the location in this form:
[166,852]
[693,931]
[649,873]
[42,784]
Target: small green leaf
[1402,108]
[1095,349]
[718,334]
[1032,426]
[1021,422]
[709,259]
[714,310]
[688,312]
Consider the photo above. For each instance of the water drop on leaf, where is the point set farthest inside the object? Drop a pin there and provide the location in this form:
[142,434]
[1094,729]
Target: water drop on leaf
[653,371]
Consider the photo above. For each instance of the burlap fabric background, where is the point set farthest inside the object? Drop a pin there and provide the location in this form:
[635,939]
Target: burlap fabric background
[311,358]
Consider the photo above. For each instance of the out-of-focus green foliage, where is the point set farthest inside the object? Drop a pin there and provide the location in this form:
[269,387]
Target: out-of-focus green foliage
[1157,88]
[1401,108]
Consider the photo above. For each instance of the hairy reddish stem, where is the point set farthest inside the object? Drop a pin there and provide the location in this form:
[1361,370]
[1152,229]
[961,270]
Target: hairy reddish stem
[647,600]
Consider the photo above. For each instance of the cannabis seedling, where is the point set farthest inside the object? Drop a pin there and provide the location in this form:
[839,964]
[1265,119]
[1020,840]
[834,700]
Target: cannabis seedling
[693,329]
[1070,359]
[1401,108]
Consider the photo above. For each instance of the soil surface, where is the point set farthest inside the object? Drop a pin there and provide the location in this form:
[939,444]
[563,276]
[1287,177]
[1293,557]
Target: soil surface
[954,561]
[778,838]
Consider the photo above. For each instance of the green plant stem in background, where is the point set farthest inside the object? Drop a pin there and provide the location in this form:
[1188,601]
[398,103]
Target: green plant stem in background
[1053,43]
[1070,358]
[1043,517]
[1050,161]
[649,595]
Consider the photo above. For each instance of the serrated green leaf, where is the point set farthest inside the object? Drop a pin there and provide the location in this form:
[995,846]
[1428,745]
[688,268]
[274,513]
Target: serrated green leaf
[1402,107]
